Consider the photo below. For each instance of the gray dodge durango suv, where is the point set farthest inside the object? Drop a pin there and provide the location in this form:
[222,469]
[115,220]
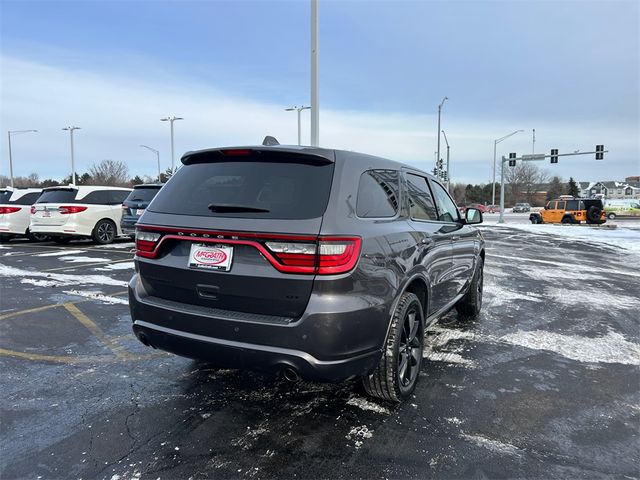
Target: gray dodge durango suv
[320,264]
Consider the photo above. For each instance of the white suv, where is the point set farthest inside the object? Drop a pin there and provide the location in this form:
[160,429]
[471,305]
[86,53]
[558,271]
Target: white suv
[79,211]
[14,212]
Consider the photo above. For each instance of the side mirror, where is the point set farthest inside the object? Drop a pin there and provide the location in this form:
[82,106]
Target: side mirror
[473,216]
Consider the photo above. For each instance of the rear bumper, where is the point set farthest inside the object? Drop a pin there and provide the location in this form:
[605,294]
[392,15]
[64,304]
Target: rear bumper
[67,229]
[319,346]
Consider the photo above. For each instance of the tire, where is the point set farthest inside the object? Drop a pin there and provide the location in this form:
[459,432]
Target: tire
[4,238]
[61,240]
[593,214]
[397,372]
[567,220]
[470,305]
[611,216]
[104,232]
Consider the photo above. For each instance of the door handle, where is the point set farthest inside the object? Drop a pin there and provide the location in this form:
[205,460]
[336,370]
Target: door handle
[455,238]
[426,241]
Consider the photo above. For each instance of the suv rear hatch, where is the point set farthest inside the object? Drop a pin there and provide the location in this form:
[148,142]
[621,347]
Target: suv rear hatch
[137,201]
[237,230]
[47,212]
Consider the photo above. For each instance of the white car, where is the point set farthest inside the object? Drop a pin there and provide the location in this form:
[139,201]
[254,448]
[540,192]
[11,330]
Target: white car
[70,212]
[14,212]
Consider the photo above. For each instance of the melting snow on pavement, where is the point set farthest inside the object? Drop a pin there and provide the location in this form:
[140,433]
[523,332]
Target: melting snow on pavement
[60,279]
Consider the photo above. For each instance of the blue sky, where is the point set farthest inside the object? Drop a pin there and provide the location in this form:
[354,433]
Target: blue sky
[569,69]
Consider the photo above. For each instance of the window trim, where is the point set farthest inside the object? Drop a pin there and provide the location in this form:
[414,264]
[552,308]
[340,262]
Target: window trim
[400,195]
[408,207]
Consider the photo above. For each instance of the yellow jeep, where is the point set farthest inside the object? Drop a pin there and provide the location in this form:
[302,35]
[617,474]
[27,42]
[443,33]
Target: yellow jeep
[571,210]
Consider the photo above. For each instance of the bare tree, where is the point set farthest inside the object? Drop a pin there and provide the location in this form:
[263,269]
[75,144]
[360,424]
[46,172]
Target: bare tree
[109,172]
[524,179]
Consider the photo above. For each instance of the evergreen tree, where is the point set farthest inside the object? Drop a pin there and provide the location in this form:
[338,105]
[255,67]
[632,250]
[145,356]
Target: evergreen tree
[574,191]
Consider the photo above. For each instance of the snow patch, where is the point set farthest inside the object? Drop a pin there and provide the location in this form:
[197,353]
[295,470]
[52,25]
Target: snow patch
[572,298]
[367,405]
[72,259]
[61,279]
[493,445]
[60,253]
[359,434]
[98,296]
[39,283]
[612,348]
[116,246]
[116,266]
[497,296]
[448,357]
[454,420]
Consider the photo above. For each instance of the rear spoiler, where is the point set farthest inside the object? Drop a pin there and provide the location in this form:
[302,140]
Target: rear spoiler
[293,154]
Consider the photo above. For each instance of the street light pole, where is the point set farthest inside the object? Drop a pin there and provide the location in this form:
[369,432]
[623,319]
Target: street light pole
[439,112]
[73,162]
[447,142]
[171,119]
[533,143]
[298,109]
[9,133]
[157,156]
[495,144]
[315,99]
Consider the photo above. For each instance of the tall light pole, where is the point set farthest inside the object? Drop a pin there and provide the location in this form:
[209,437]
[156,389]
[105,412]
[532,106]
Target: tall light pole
[439,112]
[9,133]
[495,144]
[315,99]
[157,156]
[298,109]
[447,142]
[171,119]
[73,162]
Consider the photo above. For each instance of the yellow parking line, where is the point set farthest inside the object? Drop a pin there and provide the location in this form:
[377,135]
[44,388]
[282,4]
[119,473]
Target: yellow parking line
[53,358]
[29,310]
[95,329]
[79,265]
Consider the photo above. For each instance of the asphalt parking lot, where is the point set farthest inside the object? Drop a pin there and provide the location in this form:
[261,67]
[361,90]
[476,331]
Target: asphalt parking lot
[545,384]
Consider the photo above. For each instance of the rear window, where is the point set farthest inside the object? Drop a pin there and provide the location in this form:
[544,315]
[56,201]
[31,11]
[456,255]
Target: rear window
[248,189]
[5,195]
[26,199]
[59,195]
[142,194]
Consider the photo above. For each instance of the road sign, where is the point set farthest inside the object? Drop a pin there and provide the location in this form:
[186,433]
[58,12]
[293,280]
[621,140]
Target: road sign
[533,156]
[599,152]
[554,155]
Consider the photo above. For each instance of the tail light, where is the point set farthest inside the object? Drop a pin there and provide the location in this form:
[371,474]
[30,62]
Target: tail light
[124,207]
[33,209]
[4,210]
[69,209]
[146,243]
[287,253]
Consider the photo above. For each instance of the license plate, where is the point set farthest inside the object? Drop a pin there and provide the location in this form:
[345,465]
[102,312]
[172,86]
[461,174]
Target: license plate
[46,213]
[139,211]
[211,257]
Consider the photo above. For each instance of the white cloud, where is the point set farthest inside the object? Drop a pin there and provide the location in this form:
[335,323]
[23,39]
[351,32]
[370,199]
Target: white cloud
[118,112]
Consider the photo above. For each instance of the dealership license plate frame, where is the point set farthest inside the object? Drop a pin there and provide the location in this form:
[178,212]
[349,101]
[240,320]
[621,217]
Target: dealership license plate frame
[223,266]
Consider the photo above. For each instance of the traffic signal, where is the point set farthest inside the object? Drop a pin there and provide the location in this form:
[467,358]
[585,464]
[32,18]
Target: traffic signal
[599,152]
[554,155]
[512,161]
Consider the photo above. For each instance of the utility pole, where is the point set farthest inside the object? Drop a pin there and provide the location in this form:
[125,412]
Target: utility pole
[495,144]
[298,109]
[448,174]
[533,144]
[171,119]
[439,112]
[315,100]
[157,156]
[9,133]
[73,163]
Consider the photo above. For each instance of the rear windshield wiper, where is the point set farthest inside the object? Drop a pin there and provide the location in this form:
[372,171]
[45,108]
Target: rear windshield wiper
[228,208]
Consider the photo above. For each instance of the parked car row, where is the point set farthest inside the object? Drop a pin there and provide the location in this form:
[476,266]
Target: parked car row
[64,213]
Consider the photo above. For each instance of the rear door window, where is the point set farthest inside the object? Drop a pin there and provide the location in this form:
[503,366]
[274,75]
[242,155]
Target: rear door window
[421,204]
[378,194]
[58,195]
[27,199]
[573,205]
[99,197]
[561,206]
[287,189]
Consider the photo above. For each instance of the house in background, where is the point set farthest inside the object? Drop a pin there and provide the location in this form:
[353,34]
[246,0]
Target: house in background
[612,190]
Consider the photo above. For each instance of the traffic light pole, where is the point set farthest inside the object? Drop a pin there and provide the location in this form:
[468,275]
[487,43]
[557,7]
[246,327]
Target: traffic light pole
[536,158]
